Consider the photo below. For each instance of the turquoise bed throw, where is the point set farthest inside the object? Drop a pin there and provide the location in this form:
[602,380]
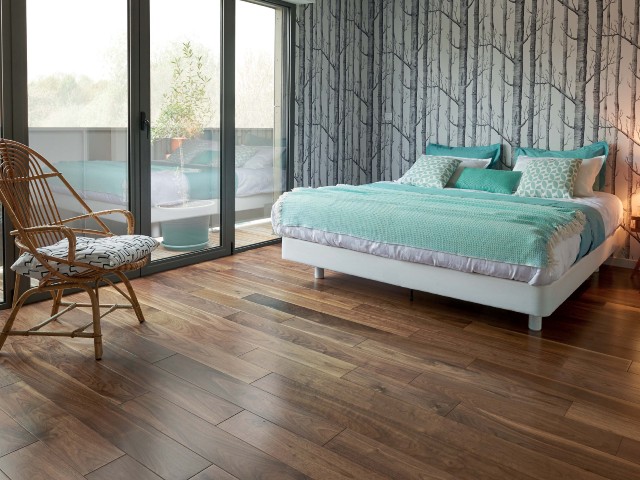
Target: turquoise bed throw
[481,225]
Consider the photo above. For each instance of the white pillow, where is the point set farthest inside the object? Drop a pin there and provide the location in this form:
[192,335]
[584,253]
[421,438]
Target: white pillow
[587,173]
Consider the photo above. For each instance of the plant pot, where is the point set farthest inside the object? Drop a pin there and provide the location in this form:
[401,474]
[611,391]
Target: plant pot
[186,234]
[191,230]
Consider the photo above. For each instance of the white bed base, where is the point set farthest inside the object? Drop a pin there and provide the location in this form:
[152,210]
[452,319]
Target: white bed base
[535,301]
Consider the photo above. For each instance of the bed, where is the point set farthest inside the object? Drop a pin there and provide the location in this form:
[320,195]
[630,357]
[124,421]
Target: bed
[521,284]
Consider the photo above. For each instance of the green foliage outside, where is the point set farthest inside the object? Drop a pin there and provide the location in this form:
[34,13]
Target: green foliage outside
[186,107]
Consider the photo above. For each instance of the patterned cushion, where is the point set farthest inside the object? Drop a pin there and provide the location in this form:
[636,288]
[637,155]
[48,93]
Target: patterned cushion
[106,252]
[549,178]
[244,154]
[431,171]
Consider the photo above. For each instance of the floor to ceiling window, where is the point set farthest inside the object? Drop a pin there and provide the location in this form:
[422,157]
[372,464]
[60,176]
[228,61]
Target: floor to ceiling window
[261,107]
[77,98]
[185,125]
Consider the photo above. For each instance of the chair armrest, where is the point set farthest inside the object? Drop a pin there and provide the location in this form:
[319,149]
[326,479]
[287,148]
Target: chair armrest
[126,213]
[24,243]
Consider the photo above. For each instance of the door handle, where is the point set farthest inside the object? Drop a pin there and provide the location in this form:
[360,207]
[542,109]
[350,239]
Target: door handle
[145,124]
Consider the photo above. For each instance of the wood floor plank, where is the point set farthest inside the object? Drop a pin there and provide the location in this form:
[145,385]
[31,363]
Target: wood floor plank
[635,368]
[84,369]
[439,429]
[180,392]
[250,398]
[14,436]
[214,473]
[68,438]
[552,386]
[459,381]
[36,462]
[226,451]
[124,467]
[195,346]
[243,305]
[379,457]
[630,450]
[367,422]
[603,464]
[605,419]
[438,402]
[157,452]
[346,357]
[303,455]
[575,356]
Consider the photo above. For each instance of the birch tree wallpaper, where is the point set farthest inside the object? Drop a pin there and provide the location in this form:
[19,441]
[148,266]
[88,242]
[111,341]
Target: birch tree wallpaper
[379,79]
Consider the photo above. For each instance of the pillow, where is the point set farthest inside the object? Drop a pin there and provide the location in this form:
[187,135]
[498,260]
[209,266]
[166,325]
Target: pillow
[587,173]
[495,181]
[264,157]
[466,163]
[588,151]
[430,171]
[492,152]
[549,178]
[243,154]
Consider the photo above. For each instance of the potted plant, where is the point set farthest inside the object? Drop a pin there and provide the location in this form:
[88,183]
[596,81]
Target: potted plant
[185,111]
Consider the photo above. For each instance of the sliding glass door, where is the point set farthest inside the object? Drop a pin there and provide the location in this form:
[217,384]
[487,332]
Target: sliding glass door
[261,118]
[77,98]
[176,111]
[185,172]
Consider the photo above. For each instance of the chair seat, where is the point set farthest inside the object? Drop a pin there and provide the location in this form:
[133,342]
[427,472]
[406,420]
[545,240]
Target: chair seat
[104,252]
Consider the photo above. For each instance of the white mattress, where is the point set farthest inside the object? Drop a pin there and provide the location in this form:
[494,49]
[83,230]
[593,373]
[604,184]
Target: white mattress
[565,252]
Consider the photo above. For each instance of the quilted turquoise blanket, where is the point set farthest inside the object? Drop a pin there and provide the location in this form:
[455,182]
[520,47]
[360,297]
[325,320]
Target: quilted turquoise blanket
[494,227]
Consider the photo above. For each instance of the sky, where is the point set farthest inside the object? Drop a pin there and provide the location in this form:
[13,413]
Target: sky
[79,37]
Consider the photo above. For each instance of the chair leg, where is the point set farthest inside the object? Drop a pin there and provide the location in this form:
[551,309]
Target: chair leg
[97,329]
[57,298]
[18,302]
[132,297]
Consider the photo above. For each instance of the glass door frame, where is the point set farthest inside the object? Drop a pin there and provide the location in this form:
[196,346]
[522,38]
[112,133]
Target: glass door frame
[13,109]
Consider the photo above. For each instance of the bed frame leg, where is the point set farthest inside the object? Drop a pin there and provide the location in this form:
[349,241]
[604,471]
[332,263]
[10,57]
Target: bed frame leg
[535,323]
[318,273]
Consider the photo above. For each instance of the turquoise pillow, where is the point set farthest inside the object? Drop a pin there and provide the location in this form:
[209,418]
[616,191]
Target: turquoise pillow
[588,151]
[490,151]
[494,181]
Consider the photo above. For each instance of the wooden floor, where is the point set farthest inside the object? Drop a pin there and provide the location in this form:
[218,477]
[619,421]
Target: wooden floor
[249,368]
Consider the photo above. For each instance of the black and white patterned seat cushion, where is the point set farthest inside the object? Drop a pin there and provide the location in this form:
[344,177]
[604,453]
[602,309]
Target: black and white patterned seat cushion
[105,252]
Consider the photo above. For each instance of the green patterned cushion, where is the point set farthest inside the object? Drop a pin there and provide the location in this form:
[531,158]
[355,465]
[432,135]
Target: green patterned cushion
[495,181]
[549,178]
[431,171]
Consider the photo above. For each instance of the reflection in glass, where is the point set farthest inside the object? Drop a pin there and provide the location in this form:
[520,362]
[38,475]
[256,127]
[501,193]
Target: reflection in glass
[77,96]
[185,119]
[260,134]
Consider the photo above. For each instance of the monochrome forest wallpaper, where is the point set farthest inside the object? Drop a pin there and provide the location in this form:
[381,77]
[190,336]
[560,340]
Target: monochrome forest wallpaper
[379,79]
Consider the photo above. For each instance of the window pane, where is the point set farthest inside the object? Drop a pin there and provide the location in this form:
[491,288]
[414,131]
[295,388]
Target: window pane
[185,119]
[260,133]
[77,84]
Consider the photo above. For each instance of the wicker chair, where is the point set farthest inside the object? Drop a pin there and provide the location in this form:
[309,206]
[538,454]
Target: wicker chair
[58,253]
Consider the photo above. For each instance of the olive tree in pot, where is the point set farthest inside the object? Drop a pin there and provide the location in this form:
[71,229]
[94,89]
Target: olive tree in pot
[185,111]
